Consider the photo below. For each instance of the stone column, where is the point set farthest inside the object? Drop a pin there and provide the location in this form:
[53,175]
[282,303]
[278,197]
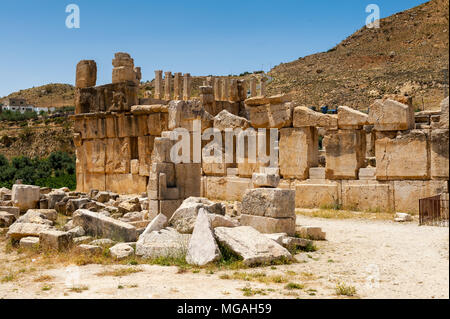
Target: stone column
[86,75]
[167,88]
[158,85]
[262,88]
[253,87]
[216,86]
[225,88]
[177,95]
[187,86]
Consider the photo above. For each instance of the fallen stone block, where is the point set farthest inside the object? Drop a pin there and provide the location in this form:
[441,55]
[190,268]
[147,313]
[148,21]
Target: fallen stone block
[56,240]
[55,197]
[403,217]
[269,202]
[305,117]
[269,225]
[104,242]
[49,214]
[29,242]
[349,118]
[121,251]
[25,196]
[6,219]
[251,245]
[98,225]
[203,248]
[158,223]
[265,180]
[129,206]
[75,204]
[225,120]
[77,231]
[310,232]
[289,243]
[12,210]
[183,219]
[35,217]
[222,221]
[82,240]
[164,243]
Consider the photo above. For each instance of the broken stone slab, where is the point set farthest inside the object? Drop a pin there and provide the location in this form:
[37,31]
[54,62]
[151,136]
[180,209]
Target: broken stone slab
[403,217]
[226,120]
[29,242]
[121,251]
[98,225]
[75,204]
[129,206]
[164,243]
[82,240]
[183,219]
[102,197]
[49,214]
[5,193]
[12,210]
[390,115]
[90,249]
[6,219]
[262,100]
[158,223]
[305,117]
[269,202]
[222,221]
[289,242]
[55,239]
[25,196]
[77,231]
[349,118]
[310,232]
[269,225]
[55,197]
[203,248]
[251,245]
[34,216]
[265,180]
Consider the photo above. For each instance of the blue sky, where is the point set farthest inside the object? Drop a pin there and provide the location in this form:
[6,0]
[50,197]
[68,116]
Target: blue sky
[197,36]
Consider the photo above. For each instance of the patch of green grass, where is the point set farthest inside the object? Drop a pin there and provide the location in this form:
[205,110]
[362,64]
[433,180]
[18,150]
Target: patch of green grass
[46,288]
[293,285]
[8,278]
[345,290]
[118,272]
[79,289]
[248,292]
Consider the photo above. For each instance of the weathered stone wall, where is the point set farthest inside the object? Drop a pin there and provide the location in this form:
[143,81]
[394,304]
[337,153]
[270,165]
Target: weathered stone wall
[382,161]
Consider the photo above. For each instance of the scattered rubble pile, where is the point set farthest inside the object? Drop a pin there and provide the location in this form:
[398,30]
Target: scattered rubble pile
[31,217]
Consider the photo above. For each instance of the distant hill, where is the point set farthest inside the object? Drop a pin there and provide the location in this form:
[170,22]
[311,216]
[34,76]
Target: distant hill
[49,95]
[406,55]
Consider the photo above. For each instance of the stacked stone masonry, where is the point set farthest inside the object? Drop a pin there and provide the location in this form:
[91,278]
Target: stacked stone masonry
[381,161]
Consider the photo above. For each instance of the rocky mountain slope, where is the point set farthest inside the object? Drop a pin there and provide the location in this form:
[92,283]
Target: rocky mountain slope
[408,54]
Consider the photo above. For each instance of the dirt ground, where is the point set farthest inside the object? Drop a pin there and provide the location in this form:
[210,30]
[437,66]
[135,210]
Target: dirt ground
[380,259]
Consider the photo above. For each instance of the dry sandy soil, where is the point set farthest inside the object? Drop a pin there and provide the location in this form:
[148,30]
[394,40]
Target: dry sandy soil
[381,259]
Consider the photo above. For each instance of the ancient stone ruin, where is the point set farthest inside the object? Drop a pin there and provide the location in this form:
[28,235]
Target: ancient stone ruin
[382,161]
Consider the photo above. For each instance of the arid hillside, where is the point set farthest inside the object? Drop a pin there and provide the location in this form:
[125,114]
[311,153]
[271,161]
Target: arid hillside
[49,95]
[408,54]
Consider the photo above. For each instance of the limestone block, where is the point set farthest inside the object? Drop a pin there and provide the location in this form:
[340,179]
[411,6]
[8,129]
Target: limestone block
[304,117]
[349,118]
[317,173]
[443,121]
[402,217]
[404,157]
[55,239]
[269,225]
[145,149]
[439,154]
[6,219]
[367,173]
[29,242]
[269,202]
[161,150]
[251,245]
[390,115]
[89,249]
[345,153]
[311,232]
[86,74]
[313,195]
[94,181]
[126,183]
[19,230]
[183,113]
[263,100]
[25,196]
[408,193]
[168,207]
[298,151]
[158,223]
[118,155]
[203,248]
[96,224]
[123,74]
[225,188]
[49,214]
[265,180]
[188,179]
[226,120]
[112,126]
[271,115]
[122,59]
[164,243]
[94,156]
[367,196]
[121,251]
[158,123]
[11,210]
